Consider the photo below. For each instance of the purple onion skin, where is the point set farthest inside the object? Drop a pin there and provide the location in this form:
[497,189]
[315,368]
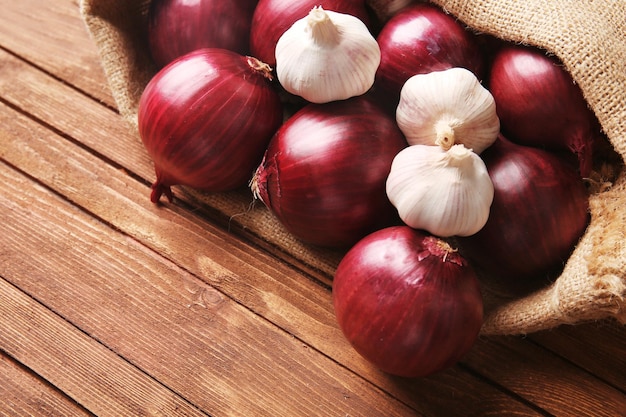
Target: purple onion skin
[206,120]
[420,39]
[407,304]
[540,105]
[273,17]
[323,175]
[177,27]
[539,213]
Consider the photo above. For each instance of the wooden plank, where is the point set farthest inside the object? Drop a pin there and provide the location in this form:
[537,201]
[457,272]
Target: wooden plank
[546,380]
[24,393]
[85,370]
[599,348]
[73,114]
[255,280]
[158,317]
[52,35]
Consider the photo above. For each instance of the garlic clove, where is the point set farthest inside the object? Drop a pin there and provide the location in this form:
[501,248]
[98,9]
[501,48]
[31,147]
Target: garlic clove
[447,193]
[327,56]
[446,108]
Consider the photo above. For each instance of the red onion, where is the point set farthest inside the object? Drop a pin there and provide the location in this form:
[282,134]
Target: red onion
[418,40]
[176,27]
[539,213]
[273,17]
[206,120]
[386,9]
[324,172]
[540,105]
[407,302]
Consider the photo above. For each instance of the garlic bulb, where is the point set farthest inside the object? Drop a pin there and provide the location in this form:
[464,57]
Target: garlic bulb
[327,56]
[448,107]
[447,193]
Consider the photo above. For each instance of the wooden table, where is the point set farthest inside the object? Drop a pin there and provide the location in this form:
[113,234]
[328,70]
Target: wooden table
[112,306]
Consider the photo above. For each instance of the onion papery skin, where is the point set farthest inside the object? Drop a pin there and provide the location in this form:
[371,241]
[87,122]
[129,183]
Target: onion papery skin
[418,40]
[206,120]
[407,302]
[539,213]
[323,175]
[540,105]
[177,27]
[273,17]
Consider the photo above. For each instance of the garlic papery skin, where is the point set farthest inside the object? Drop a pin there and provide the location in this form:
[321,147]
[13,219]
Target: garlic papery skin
[327,56]
[447,193]
[448,107]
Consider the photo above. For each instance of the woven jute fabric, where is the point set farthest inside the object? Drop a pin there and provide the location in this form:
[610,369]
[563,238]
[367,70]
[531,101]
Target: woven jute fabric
[588,36]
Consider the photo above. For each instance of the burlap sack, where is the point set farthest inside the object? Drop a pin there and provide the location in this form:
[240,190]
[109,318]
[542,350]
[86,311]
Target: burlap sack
[590,39]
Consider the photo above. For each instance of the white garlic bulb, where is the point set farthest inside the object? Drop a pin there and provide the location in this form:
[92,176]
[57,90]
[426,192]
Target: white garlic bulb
[446,108]
[447,193]
[327,56]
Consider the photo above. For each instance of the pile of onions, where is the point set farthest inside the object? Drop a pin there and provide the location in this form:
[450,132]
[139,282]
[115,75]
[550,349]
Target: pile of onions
[212,119]
[323,175]
[538,215]
[540,105]
[177,27]
[407,302]
[206,120]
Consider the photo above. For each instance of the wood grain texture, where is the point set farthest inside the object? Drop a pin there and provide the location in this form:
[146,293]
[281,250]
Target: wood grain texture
[599,348]
[51,34]
[24,393]
[85,370]
[547,380]
[76,115]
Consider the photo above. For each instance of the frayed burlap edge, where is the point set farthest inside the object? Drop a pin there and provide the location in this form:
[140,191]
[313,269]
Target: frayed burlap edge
[589,39]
